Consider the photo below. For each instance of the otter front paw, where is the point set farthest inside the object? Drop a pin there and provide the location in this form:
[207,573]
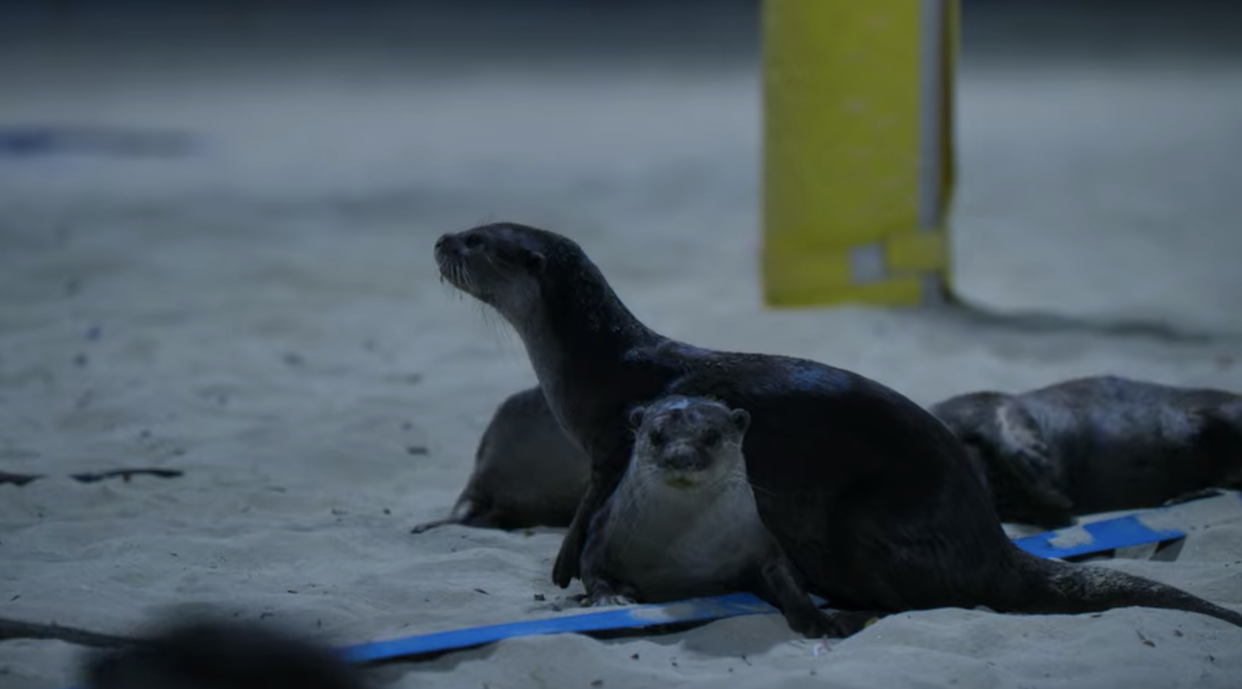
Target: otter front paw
[607,599]
[601,593]
[562,573]
[566,567]
[838,624]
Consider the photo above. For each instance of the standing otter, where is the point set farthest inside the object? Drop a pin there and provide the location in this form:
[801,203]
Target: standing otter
[1097,444]
[527,471]
[683,523]
[872,498]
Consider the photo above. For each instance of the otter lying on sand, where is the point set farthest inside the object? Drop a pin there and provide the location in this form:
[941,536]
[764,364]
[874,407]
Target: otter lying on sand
[527,471]
[1087,445]
[1096,445]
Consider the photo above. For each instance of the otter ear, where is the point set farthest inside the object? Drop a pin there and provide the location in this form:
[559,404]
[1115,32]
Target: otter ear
[536,262]
[740,419]
[636,417]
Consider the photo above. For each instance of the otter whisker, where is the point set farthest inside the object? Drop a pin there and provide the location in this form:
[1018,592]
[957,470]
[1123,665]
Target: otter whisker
[466,278]
[504,267]
[756,488]
[447,285]
[501,333]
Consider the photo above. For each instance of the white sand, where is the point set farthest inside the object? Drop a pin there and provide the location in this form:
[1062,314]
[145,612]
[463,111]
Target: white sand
[270,321]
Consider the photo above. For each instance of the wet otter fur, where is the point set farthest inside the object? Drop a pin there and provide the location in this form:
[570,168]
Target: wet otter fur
[1097,444]
[871,496]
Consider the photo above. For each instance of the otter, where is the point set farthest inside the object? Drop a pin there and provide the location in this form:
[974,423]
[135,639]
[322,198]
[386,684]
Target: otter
[527,471]
[871,497]
[683,522]
[1097,444]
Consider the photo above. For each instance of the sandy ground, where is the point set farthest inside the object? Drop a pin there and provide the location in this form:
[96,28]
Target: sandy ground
[265,315]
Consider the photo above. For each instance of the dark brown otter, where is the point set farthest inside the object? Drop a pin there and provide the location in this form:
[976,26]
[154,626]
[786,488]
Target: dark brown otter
[872,498]
[1097,444]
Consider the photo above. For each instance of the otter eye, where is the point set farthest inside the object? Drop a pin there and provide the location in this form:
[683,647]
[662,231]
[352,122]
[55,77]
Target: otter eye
[474,241]
[536,262]
[656,438]
[711,438]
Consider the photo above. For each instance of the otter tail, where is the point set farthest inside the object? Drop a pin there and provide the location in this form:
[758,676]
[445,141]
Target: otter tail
[467,511]
[1066,588]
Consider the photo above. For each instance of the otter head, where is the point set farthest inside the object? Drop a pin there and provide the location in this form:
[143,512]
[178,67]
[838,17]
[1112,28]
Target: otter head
[686,442]
[505,265]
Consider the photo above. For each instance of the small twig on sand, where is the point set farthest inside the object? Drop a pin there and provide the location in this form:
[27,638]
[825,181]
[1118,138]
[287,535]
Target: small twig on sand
[17,629]
[91,477]
[17,479]
[125,474]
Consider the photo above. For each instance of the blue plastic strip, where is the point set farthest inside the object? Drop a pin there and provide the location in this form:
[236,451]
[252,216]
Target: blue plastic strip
[1104,535]
[629,617]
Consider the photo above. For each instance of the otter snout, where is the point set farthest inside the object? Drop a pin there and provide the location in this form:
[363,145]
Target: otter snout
[450,255]
[685,458]
[448,243]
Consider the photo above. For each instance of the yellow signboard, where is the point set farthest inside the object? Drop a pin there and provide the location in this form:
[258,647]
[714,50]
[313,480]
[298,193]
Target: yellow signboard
[857,162]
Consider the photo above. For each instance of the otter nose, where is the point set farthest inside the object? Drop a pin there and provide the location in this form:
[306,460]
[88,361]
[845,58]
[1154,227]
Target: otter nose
[683,458]
[446,241]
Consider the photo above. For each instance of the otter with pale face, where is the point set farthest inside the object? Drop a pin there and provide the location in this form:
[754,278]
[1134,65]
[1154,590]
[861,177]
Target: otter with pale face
[871,498]
[683,522]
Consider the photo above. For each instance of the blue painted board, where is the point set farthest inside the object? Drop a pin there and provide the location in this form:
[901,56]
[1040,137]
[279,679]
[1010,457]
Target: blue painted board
[1105,535]
[628,617]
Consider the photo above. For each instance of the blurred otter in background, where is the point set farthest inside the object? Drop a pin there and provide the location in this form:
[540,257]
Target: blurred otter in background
[1097,444]
[527,471]
[1085,445]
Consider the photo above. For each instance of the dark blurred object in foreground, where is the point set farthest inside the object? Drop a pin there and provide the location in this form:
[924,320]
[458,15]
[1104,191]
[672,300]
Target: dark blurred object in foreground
[212,654]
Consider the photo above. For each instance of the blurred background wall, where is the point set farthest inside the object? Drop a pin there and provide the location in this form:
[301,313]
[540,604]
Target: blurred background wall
[1098,140]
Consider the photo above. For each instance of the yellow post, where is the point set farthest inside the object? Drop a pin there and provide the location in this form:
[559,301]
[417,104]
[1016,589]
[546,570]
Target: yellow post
[857,150]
